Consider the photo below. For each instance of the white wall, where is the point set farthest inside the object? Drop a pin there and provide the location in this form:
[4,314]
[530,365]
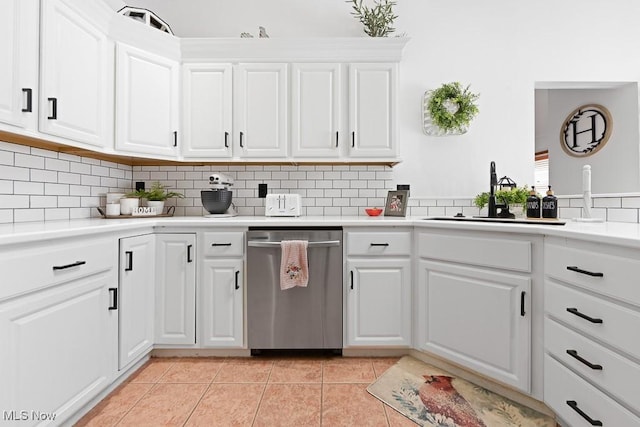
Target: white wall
[615,167]
[500,47]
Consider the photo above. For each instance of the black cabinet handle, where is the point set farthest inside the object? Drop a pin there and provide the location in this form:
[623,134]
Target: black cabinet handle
[221,244]
[353,139]
[237,279]
[351,273]
[189,247]
[378,244]
[522,295]
[574,405]
[226,140]
[29,93]
[54,109]
[584,316]
[64,267]
[588,273]
[114,300]
[337,138]
[241,137]
[129,255]
[575,355]
[175,138]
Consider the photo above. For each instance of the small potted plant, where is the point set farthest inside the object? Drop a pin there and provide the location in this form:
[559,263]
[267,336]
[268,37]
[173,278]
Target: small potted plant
[157,195]
[377,20]
[516,198]
[449,109]
[130,201]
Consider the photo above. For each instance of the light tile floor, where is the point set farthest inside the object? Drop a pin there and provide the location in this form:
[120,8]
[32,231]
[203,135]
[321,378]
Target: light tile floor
[270,392]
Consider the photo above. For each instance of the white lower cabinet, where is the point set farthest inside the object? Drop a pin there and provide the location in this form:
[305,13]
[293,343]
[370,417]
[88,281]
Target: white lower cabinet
[136,298]
[471,313]
[175,289]
[379,300]
[378,288]
[58,328]
[221,301]
[592,314]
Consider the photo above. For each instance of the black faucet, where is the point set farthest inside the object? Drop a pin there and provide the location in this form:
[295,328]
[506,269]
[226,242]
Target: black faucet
[493,183]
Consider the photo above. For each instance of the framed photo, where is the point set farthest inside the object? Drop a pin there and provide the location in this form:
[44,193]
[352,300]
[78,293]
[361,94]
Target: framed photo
[396,203]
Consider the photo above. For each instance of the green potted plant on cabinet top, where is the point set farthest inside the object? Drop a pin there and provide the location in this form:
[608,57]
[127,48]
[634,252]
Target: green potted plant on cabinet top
[449,109]
[377,20]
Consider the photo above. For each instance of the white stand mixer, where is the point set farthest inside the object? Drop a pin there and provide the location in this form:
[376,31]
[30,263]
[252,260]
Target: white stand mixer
[217,201]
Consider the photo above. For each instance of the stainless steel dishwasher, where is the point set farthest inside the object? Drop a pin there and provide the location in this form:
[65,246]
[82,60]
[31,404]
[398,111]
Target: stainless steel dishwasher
[301,317]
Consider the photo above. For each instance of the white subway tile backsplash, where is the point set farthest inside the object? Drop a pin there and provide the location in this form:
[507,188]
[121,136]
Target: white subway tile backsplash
[25,187]
[51,189]
[43,175]
[56,165]
[7,146]
[68,178]
[80,168]
[44,153]
[14,201]
[6,187]
[631,202]
[6,216]
[622,215]
[29,161]
[56,214]
[11,172]
[607,202]
[28,215]
[6,158]
[43,202]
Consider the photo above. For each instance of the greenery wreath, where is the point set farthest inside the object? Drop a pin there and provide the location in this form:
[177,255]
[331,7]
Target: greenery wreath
[452,108]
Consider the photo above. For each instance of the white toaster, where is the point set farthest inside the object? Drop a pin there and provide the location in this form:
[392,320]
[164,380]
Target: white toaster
[283,205]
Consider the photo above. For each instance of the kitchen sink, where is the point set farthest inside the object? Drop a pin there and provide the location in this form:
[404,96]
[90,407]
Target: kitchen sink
[497,220]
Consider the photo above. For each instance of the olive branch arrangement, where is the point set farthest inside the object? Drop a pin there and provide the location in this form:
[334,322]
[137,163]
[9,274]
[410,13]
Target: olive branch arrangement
[377,20]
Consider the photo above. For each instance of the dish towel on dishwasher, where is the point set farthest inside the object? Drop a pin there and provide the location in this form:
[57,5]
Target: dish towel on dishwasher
[294,267]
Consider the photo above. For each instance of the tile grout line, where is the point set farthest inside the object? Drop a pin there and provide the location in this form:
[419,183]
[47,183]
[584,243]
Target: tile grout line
[255,416]
[198,402]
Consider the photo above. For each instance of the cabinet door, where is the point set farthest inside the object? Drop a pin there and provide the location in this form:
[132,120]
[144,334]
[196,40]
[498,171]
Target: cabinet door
[315,111]
[221,298]
[136,299]
[19,65]
[478,318]
[372,110]
[175,289]
[146,102]
[379,302]
[260,112]
[58,348]
[76,97]
[207,110]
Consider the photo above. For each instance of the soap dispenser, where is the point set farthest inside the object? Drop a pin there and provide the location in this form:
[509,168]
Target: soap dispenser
[550,205]
[533,204]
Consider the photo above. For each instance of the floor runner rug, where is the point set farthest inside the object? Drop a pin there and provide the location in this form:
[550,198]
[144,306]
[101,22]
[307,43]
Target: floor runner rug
[432,397]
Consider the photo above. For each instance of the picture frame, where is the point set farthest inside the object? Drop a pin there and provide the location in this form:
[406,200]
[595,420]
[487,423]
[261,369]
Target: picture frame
[396,203]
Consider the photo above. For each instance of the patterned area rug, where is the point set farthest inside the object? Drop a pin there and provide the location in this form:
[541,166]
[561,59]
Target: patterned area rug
[432,397]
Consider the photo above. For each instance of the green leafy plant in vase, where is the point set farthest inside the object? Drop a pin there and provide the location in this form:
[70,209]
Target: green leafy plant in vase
[157,195]
[377,20]
[449,109]
[516,198]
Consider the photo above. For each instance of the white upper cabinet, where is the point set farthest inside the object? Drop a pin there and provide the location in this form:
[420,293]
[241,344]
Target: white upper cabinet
[76,73]
[260,119]
[372,110]
[207,110]
[147,103]
[19,65]
[316,94]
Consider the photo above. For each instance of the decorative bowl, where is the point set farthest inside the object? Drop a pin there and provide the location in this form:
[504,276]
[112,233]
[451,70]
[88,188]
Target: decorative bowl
[373,211]
[216,201]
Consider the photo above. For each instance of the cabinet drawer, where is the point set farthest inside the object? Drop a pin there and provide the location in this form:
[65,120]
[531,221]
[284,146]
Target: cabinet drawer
[562,386]
[610,322]
[506,254]
[379,243]
[613,272]
[50,262]
[616,374]
[223,244]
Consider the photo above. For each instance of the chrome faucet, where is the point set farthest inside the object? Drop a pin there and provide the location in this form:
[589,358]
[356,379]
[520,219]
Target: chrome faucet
[493,183]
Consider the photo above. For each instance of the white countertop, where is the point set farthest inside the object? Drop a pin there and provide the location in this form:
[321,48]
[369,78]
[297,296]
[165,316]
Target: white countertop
[617,233]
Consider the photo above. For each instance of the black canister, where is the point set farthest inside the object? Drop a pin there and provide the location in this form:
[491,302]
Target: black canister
[550,205]
[533,204]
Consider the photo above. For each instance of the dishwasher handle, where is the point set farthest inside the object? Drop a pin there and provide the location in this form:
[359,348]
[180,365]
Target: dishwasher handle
[318,244]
